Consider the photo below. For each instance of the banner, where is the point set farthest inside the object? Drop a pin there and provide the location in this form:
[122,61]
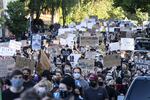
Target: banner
[112,60]
[142,63]
[15,45]
[89,41]
[114,46]
[6,51]
[44,61]
[36,42]
[22,62]
[127,44]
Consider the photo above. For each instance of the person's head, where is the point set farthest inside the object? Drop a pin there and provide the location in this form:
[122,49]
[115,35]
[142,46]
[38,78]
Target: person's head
[57,77]
[67,69]
[26,73]
[77,72]
[66,86]
[101,80]
[47,74]
[16,79]
[43,87]
[93,79]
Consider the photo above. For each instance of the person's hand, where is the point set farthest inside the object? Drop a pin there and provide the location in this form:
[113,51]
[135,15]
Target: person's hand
[77,91]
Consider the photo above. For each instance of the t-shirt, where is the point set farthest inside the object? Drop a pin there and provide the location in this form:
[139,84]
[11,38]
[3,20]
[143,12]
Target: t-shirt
[28,84]
[8,95]
[95,94]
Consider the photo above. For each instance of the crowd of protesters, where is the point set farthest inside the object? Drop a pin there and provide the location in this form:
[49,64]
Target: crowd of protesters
[67,82]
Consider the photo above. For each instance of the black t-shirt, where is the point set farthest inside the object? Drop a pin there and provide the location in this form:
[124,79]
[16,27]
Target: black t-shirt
[28,84]
[8,95]
[95,94]
[111,92]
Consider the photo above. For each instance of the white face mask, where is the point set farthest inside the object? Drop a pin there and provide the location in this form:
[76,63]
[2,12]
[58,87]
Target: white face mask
[41,91]
[76,75]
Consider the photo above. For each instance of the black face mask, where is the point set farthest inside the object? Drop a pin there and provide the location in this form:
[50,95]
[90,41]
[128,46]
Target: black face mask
[100,83]
[63,94]
[25,77]
[93,84]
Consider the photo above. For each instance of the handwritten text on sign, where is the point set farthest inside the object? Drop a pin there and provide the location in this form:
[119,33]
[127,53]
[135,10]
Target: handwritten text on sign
[89,41]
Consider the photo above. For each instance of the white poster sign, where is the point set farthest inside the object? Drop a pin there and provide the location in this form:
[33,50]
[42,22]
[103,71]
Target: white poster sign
[36,42]
[6,51]
[73,58]
[15,45]
[127,44]
[114,46]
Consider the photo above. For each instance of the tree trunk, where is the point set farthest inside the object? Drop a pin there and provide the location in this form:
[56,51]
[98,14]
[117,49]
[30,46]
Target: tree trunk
[52,14]
[63,13]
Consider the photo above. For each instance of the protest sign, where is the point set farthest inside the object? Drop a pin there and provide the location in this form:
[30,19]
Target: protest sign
[24,43]
[89,41]
[73,58]
[6,51]
[44,61]
[85,63]
[114,46]
[15,45]
[112,60]
[142,63]
[4,44]
[90,55]
[3,71]
[36,42]
[127,44]
[7,64]
[22,62]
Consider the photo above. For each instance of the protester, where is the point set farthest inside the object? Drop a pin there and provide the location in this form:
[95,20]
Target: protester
[16,87]
[99,93]
[28,82]
[66,90]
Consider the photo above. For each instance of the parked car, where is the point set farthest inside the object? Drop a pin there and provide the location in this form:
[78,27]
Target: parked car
[139,89]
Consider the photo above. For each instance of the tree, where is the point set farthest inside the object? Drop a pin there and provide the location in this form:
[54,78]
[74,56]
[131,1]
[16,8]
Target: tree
[66,6]
[15,19]
[131,6]
[52,6]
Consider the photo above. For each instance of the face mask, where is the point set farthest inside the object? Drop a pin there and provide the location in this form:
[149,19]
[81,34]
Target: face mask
[100,83]
[63,94]
[93,84]
[56,96]
[76,75]
[41,91]
[17,83]
[25,77]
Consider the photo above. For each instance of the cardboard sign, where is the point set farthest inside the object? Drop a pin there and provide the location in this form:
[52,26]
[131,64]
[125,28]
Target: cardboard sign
[22,62]
[112,60]
[127,44]
[44,61]
[114,46]
[15,45]
[36,42]
[89,41]
[6,51]
[83,63]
